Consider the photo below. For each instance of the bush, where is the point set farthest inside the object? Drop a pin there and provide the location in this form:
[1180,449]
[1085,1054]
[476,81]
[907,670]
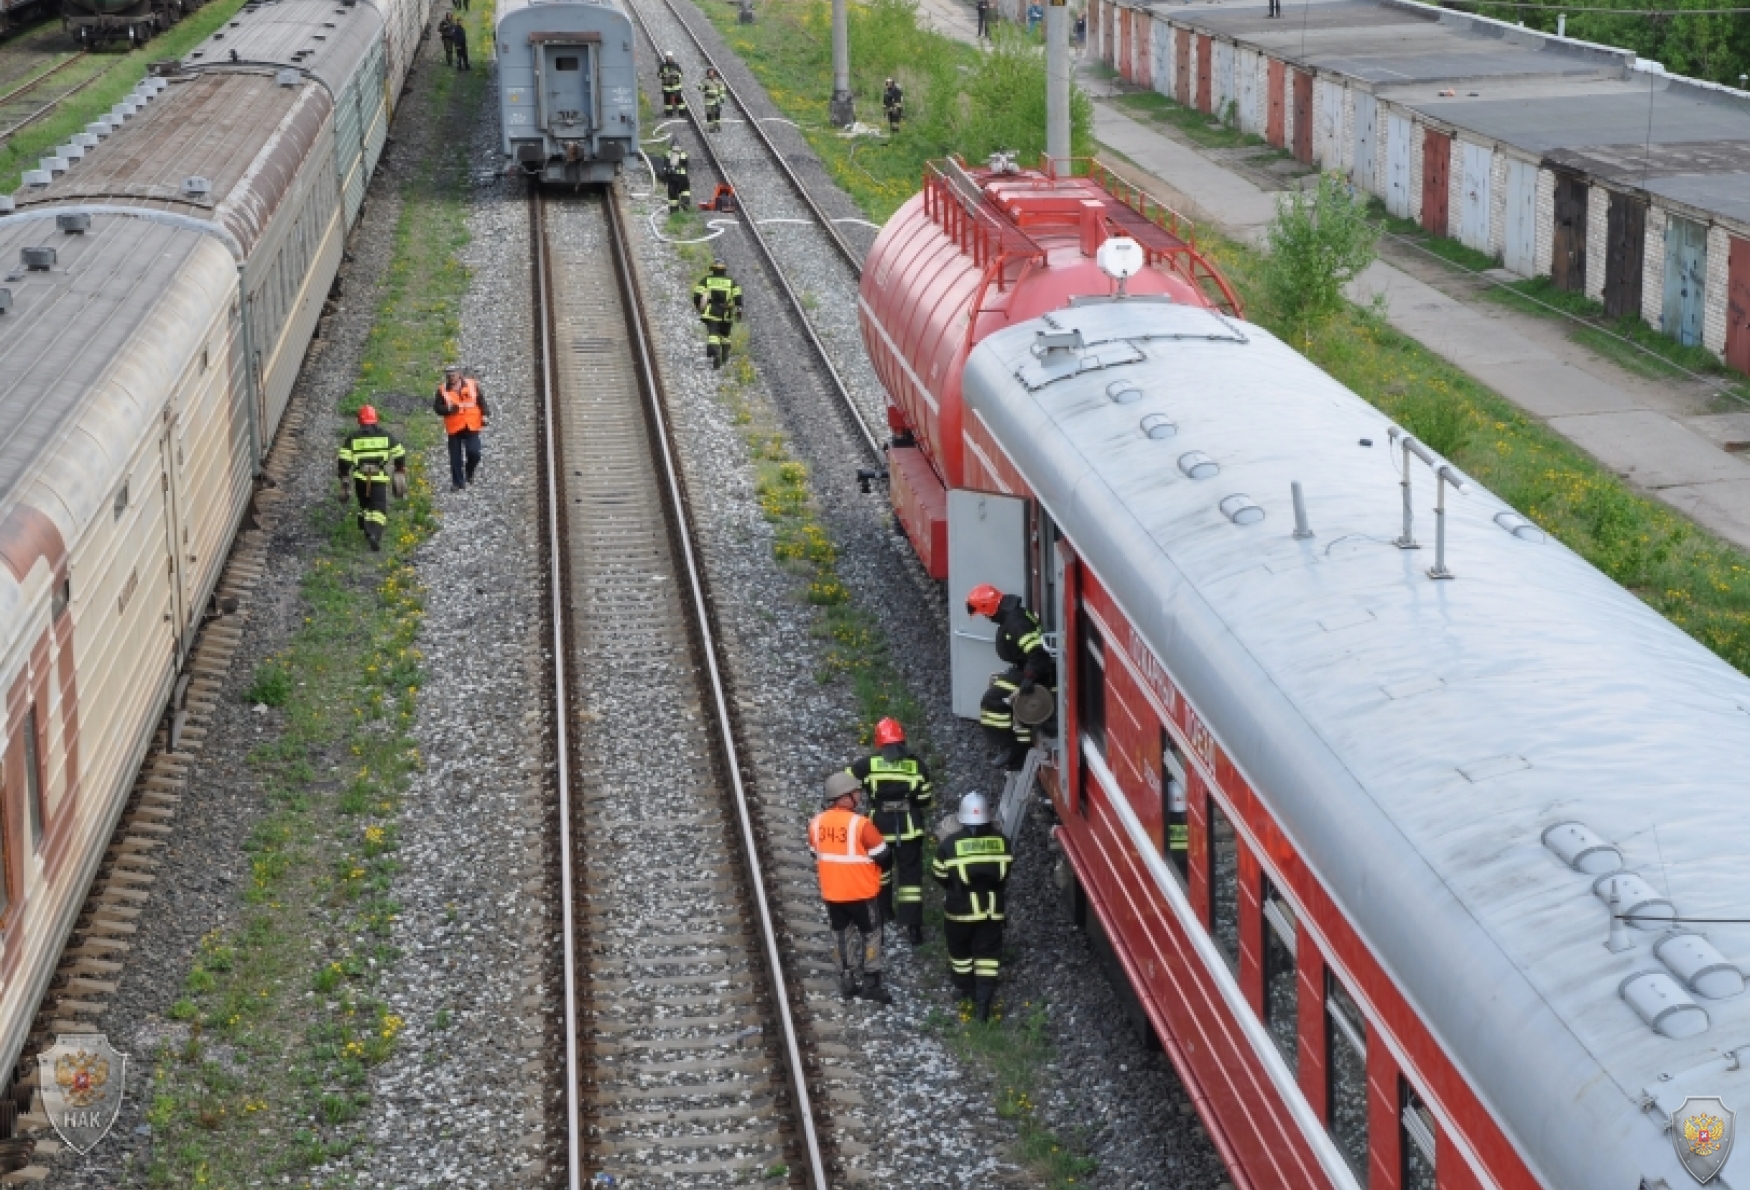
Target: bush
[1317,243]
[272,686]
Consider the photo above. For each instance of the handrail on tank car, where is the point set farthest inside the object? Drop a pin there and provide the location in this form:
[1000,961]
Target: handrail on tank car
[1188,261]
[977,229]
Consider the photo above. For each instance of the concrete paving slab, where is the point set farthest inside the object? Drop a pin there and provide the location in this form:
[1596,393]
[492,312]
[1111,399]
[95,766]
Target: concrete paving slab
[1216,194]
[1552,388]
[1650,449]
[1728,430]
[1723,507]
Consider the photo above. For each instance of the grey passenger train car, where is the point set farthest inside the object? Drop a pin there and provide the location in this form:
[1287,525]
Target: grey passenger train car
[568,88]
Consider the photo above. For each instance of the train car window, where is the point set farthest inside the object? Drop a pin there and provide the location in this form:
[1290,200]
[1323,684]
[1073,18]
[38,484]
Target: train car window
[1091,686]
[61,598]
[1346,1075]
[33,778]
[1176,835]
[1281,980]
[1224,886]
[1417,1140]
[565,64]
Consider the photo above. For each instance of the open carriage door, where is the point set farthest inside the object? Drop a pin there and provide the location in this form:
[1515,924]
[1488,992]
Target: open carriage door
[987,543]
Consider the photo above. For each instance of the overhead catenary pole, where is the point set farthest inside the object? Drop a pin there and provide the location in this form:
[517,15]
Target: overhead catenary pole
[1057,85]
[843,110]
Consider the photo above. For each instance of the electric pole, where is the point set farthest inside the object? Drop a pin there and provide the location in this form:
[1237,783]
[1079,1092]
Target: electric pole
[1057,85]
[843,111]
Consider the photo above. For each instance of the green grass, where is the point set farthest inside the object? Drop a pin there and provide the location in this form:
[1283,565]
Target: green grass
[957,98]
[288,1012]
[122,70]
[1200,129]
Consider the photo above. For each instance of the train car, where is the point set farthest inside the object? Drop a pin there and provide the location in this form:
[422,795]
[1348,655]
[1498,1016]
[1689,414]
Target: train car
[166,271]
[977,250]
[568,87]
[95,23]
[1459,900]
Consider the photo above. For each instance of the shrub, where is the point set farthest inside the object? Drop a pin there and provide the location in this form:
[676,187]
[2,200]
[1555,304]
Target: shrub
[1318,241]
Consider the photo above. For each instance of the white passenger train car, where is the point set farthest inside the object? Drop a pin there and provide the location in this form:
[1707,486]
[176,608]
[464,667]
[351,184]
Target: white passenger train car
[158,297]
[568,88]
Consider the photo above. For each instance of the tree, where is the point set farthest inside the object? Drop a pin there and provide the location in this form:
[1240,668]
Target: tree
[1319,241]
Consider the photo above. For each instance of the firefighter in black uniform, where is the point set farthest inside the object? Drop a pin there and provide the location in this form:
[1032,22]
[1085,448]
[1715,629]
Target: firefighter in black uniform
[900,794]
[1021,646]
[374,461]
[972,865]
[680,184]
[893,101]
[717,298]
[668,76]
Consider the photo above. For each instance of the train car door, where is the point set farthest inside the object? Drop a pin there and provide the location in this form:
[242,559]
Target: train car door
[987,543]
[1519,232]
[1685,279]
[1738,305]
[567,88]
[1366,115]
[1625,231]
[1567,266]
[1397,165]
[1436,170]
[169,478]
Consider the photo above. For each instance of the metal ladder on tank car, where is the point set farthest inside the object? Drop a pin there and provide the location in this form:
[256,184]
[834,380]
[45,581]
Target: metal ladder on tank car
[1017,789]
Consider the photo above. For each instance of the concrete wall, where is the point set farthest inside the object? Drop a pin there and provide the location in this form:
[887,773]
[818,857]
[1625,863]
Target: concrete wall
[1713,319]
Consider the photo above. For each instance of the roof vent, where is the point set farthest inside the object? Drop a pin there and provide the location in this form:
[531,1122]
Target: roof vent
[85,140]
[39,260]
[5,300]
[1240,509]
[287,78]
[37,177]
[1519,526]
[1156,425]
[1582,850]
[196,187]
[125,109]
[1699,965]
[1198,465]
[1665,1007]
[1639,905]
[73,222]
[6,204]
[54,165]
[100,128]
[1123,391]
[72,153]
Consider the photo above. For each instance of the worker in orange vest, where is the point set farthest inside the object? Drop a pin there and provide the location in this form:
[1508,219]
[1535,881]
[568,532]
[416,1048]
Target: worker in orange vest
[463,407]
[851,854]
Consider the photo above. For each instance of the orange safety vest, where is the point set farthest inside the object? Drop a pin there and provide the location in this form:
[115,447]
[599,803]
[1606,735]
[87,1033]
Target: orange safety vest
[467,402]
[845,844]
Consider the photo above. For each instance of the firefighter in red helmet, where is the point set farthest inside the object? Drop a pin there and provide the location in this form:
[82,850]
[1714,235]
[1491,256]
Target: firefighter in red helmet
[374,461]
[900,793]
[1021,646]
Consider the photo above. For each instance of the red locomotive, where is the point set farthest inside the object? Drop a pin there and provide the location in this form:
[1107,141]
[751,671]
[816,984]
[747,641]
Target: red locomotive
[1433,924]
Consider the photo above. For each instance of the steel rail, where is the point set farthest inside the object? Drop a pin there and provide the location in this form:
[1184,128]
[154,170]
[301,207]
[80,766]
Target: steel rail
[62,64]
[701,607]
[870,441]
[50,106]
[844,248]
[561,683]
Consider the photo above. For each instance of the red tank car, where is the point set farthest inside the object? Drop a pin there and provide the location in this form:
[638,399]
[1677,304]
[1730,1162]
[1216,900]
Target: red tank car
[978,250]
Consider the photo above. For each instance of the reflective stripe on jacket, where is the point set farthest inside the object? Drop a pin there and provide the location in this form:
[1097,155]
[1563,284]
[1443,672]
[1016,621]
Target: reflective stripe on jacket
[368,452]
[465,401]
[845,845]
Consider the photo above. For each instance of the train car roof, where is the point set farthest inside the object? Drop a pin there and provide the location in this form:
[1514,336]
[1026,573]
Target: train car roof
[324,39]
[1436,728]
[509,7]
[245,132]
[81,343]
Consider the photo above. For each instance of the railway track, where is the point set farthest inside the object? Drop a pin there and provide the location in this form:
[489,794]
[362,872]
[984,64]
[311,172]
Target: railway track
[810,233]
[684,1062]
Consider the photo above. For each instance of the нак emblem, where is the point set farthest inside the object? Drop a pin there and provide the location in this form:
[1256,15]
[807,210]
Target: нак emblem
[1702,1131]
[83,1079]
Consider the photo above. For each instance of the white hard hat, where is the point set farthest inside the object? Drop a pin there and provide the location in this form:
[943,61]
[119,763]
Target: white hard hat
[974,810]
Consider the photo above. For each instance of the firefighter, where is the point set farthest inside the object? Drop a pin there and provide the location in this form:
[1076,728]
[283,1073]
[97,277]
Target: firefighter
[668,75]
[462,405]
[713,89]
[972,865]
[893,100]
[853,859]
[680,185]
[900,794]
[717,298]
[375,462]
[1021,646]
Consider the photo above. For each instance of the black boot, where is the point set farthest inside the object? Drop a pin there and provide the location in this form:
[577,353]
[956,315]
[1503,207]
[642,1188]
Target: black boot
[374,535]
[986,995]
[872,989]
[847,985]
[915,932]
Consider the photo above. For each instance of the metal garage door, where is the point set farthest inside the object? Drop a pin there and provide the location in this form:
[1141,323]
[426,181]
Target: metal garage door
[1519,230]
[1473,221]
[1567,266]
[1436,176]
[1397,165]
[1738,305]
[1203,73]
[1251,95]
[1685,279]
[1224,78]
[1366,113]
[1182,66]
[1328,126]
[1303,116]
[1275,122]
[1625,239]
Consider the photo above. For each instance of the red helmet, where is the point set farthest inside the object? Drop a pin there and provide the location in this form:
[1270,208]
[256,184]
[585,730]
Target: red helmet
[888,731]
[983,600]
[367,415]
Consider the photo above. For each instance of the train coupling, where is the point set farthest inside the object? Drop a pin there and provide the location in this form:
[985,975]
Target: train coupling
[869,476]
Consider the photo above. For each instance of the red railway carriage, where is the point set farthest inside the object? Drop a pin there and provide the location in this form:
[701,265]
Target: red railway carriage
[1435,927]
[978,250]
